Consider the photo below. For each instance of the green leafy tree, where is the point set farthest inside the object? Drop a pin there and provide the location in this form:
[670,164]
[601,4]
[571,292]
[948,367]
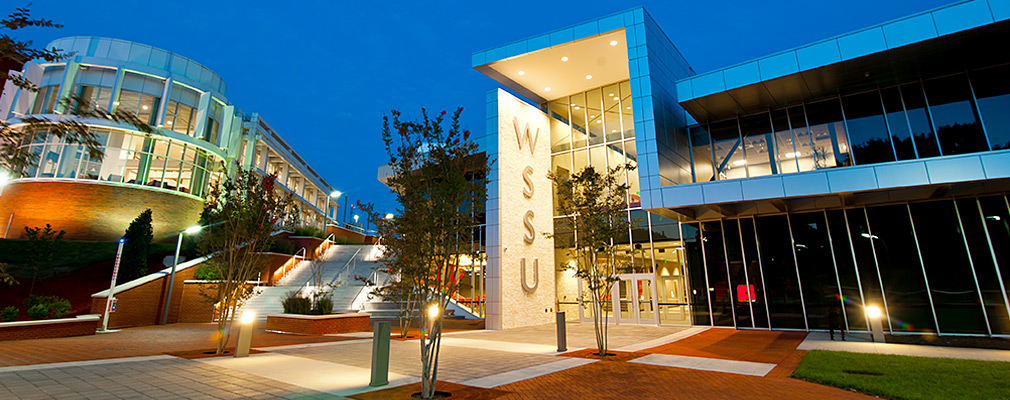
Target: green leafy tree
[42,244]
[137,246]
[6,277]
[595,207]
[13,156]
[242,213]
[440,182]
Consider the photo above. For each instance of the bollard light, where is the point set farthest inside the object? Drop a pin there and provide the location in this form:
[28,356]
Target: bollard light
[433,311]
[248,317]
[873,311]
[876,325]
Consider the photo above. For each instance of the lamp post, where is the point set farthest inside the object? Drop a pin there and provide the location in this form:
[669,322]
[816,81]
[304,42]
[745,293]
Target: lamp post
[335,195]
[344,220]
[175,263]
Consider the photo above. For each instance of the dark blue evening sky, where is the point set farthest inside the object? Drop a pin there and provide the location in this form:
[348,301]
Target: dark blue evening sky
[324,72]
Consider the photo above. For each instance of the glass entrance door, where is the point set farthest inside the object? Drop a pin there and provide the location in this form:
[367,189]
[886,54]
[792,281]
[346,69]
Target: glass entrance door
[634,299]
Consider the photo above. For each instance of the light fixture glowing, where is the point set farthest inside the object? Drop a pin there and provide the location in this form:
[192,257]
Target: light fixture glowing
[335,194]
[168,122]
[599,121]
[522,72]
[144,107]
[792,155]
[433,311]
[613,131]
[613,43]
[115,103]
[573,104]
[873,312]
[611,95]
[740,162]
[547,89]
[628,107]
[248,317]
[577,107]
[389,216]
[563,59]
[4,178]
[193,229]
[589,77]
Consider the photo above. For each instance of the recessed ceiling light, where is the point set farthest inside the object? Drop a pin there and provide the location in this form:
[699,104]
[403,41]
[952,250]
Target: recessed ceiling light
[547,89]
[573,104]
[611,95]
[613,130]
[563,59]
[599,121]
[522,72]
[629,107]
[144,107]
[613,43]
[589,77]
[576,107]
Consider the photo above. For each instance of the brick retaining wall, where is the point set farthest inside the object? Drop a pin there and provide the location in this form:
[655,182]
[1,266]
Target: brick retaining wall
[319,324]
[52,328]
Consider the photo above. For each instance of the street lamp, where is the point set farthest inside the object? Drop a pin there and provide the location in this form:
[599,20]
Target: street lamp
[175,263]
[389,216]
[335,195]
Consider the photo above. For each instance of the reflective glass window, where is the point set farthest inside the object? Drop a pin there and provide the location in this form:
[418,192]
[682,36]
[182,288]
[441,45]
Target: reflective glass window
[908,303]
[634,190]
[784,143]
[983,268]
[598,158]
[628,121]
[897,124]
[50,157]
[594,111]
[954,115]
[997,224]
[817,267]
[829,145]
[805,159]
[948,267]
[759,147]
[728,149]
[697,277]
[782,287]
[914,101]
[864,119]
[580,133]
[848,278]
[718,282]
[561,132]
[992,92]
[612,113]
[754,290]
[70,161]
[701,151]
[562,167]
[739,292]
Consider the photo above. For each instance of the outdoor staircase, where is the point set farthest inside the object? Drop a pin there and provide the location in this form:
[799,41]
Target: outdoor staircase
[342,263]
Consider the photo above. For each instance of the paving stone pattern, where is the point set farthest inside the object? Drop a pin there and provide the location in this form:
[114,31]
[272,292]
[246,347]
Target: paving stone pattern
[173,378]
[579,335]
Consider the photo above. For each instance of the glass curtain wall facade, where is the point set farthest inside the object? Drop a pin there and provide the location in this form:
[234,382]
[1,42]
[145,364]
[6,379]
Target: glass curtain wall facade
[130,158]
[955,114]
[933,267]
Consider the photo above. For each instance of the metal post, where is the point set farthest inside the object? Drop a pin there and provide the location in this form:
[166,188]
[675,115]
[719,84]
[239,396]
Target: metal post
[171,280]
[562,336]
[344,222]
[112,287]
[380,354]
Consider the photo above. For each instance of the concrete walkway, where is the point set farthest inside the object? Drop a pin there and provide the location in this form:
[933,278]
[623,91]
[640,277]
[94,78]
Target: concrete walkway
[861,343]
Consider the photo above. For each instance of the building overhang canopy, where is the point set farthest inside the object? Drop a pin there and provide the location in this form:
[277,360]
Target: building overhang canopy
[564,69]
[836,66]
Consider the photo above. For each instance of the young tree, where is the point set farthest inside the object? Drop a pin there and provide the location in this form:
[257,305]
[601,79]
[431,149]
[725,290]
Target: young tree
[244,210]
[137,246]
[595,208]
[42,244]
[440,182]
[13,157]
[6,277]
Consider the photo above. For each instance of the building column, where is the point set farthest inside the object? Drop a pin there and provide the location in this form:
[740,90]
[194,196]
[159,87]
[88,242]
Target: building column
[159,120]
[69,76]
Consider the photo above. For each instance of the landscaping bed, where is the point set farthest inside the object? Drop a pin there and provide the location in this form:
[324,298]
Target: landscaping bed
[905,377]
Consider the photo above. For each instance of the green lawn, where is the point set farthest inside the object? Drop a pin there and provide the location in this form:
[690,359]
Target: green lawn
[904,377]
[69,256]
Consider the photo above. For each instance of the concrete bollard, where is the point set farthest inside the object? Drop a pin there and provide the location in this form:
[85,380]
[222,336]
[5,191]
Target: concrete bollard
[245,334]
[380,354]
[876,325]
[562,335]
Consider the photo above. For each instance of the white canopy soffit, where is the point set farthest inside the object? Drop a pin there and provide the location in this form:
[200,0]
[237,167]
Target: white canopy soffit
[561,70]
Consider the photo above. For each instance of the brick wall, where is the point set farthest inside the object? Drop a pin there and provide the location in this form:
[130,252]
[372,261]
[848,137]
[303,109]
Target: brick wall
[50,329]
[310,243]
[319,324]
[91,210]
[193,306]
[349,235]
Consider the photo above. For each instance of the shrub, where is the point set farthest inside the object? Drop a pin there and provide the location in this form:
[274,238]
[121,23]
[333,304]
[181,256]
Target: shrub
[207,272]
[47,306]
[294,303]
[38,311]
[283,247]
[9,314]
[324,305]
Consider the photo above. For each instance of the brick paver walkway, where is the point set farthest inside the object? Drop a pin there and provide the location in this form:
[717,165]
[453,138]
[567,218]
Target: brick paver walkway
[133,342]
[729,344]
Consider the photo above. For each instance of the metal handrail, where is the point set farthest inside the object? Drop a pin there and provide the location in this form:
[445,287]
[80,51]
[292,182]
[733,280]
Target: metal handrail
[346,266]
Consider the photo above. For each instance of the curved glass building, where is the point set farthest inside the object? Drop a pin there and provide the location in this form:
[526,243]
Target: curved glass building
[200,135]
